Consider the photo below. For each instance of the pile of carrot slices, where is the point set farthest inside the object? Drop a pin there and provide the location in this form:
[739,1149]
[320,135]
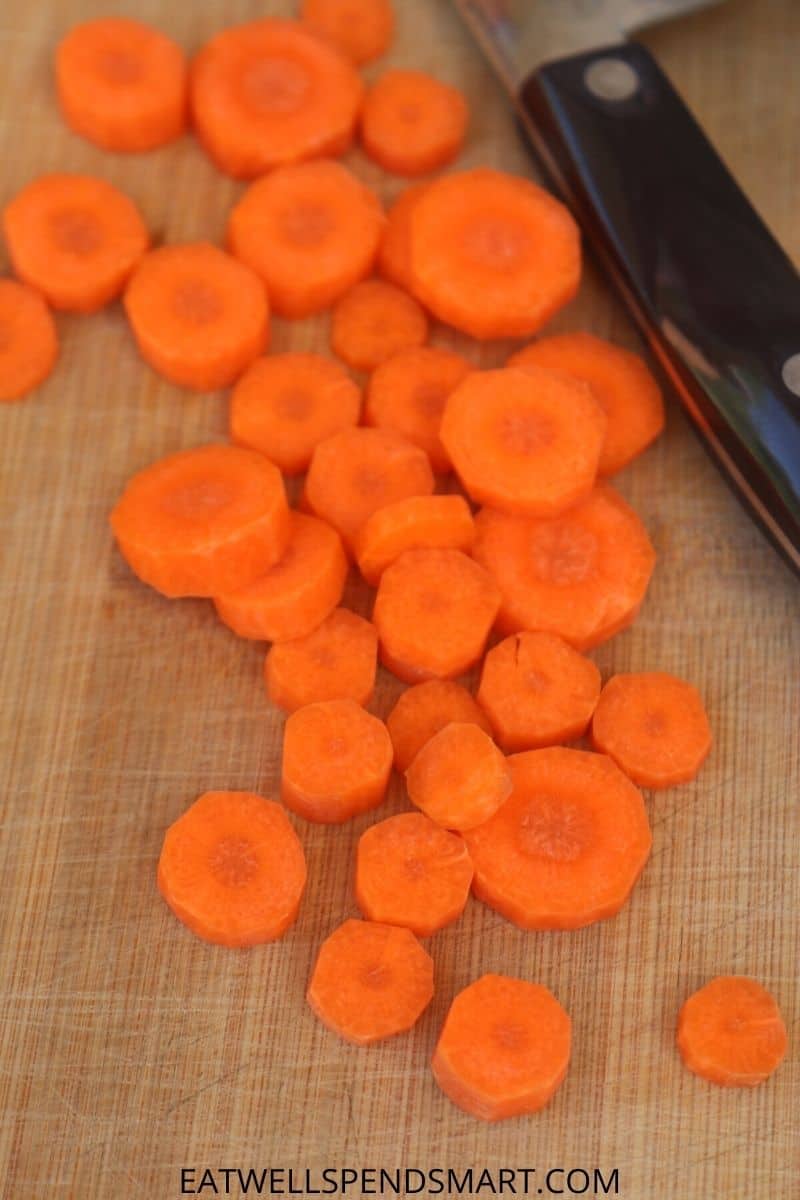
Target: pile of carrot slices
[475,502]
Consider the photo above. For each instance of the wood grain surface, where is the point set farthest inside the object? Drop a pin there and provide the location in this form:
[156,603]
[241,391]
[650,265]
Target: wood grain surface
[130,1048]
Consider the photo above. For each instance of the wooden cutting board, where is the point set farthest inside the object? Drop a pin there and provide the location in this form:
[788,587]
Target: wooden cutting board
[129,1048]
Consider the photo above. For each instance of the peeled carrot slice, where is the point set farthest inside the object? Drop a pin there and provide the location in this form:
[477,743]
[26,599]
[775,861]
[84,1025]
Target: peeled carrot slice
[28,340]
[731,1032]
[76,239]
[423,710]
[232,869]
[394,255]
[412,123]
[459,778]
[418,521]
[360,29]
[203,522]
[568,845]
[337,660]
[374,321]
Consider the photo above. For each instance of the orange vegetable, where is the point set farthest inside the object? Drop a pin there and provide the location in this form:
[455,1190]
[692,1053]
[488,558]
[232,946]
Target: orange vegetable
[423,710]
[417,521]
[360,29]
[459,778]
[394,254]
[731,1032]
[412,123]
[374,321]
[28,340]
[337,660]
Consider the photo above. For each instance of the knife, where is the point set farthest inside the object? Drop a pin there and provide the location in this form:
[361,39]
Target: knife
[713,292]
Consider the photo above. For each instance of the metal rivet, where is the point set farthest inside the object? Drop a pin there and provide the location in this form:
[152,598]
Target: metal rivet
[790,373]
[611,79]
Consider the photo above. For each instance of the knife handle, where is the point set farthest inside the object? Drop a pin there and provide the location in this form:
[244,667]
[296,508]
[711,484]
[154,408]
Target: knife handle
[712,290]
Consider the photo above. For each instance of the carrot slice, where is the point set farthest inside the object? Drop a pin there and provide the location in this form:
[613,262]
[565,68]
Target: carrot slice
[524,441]
[492,254]
[122,84]
[413,873]
[433,613]
[76,239]
[394,254]
[423,710]
[199,316]
[620,381]
[568,845]
[408,393]
[459,778]
[270,92]
[232,869]
[504,1048]
[370,981]
[417,521]
[654,726]
[295,595]
[731,1032]
[28,340]
[412,123]
[360,29]
[311,231]
[582,575]
[537,691]
[337,660]
[337,759]
[285,405]
[374,321]
[203,522]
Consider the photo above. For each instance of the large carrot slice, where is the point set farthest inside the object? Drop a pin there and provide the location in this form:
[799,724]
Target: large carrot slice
[459,778]
[374,321]
[418,521]
[731,1032]
[412,123]
[422,710]
[360,29]
[394,255]
[337,660]
[28,340]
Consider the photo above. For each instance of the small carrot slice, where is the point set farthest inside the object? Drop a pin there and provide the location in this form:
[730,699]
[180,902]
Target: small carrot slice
[504,1048]
[654,726]
[374,321]
[411,872]
[620,381]
[203,522]
[337,660]
[459,778]
[412,123]
[422,710]
[567,847]
[731,1032]
[76,239]
[270,92]
[524,441]
[199,317]
[360,29]
[28,340]
[122,84]
[394,254]
[418,521]
[311,230]
[336,763]
[370,981]
[286,404]
[537,691]
[232,869]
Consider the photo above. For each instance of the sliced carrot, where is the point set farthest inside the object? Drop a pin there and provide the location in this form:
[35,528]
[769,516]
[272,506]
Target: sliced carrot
[568,845]
[504,1048]
[270,92]
[394,255]
[524,441]
[203,522]
[731,1032]
[537,691]
[337,759]
[412,123]
[370,981]
[76,239]
[311,230]
[338,660]
[582,575]
[28,340]
[423,710]
[232,869]
[122,84]
[360,29]
[654,726]
[620,381]
[459,778]
[433,613]
[418,521]
[492,254]
[374,321]
[199,316]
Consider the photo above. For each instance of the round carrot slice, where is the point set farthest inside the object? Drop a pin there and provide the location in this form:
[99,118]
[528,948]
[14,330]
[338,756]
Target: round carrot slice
[423,710]
[731,1032]
[336,660]
[270,92]
[370,981]
[360,29]
[413,873]
[567,846]
[412,123]
[374,321]
[418,521]
[76,239]
[199,316]
[654,726]
[337,759]
[232,869]
[311,231]
[203,522]
[122,84]
[504,1048]
[28,340]
[394,254]
[459,778]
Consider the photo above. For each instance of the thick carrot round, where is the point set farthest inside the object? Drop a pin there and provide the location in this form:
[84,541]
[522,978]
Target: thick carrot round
[731,1032]
[418,521]
[412,123]
[459,778]
[76,239]
[232,869]
[203,522]
[337,660]
[504,1048]
[122,84]
[394,254]
[567,846]
[370,981]
[374,321]
[360,29]
[199,317]
[28,340]
[422,710]
[654,726]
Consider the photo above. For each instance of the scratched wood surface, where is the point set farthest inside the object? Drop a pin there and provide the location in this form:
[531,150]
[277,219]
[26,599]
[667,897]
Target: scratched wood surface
[130,1049]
